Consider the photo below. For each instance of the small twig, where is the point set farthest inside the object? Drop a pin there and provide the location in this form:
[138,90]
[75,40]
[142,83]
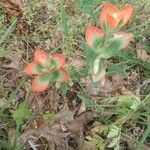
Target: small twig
[32,145]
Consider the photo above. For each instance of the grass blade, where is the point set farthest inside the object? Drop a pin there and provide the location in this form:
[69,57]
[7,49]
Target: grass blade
[9,30]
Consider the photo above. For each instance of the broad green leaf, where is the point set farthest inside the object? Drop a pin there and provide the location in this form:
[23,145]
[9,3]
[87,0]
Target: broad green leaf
[98,44]
[116,68]
[111,49]
[48,77]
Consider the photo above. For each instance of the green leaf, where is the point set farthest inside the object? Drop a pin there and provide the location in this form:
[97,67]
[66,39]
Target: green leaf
[38,68]
[50,63]
[126,54]
[98,43]
[48,77]
[111,49]
[21,114]
[116,68]
[64,87]
[90,54]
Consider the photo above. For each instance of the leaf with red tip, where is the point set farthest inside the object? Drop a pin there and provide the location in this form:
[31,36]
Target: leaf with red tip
[63,75]
[33,68]
[124,37]
[41,57]
[59,60]
[111,49]
[40,83]
[120,40]
[92,34]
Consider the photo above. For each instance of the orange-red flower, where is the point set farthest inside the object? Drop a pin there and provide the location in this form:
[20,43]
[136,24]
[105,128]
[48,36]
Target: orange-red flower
[112,16]
[47,69]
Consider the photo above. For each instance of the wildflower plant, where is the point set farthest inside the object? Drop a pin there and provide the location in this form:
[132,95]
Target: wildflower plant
[107,40]
[47,69]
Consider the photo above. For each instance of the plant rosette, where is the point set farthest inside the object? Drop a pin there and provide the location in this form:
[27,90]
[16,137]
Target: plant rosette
[46,68]
[104,42]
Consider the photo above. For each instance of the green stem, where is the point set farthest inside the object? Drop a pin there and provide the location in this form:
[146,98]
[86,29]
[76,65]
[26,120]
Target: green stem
[143,139]
[16,136]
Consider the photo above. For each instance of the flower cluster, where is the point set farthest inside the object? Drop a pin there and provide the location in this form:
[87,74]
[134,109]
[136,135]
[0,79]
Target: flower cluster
[106,41]
[46,69]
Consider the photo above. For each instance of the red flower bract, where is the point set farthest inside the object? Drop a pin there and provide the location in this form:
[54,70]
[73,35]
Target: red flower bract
[92,32]
[112,16]
[59,59]
[40,56]
[63,75]
[38,86]
[31,68]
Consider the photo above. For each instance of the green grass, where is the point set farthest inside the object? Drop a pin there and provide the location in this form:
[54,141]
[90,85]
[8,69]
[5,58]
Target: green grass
[59,27]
